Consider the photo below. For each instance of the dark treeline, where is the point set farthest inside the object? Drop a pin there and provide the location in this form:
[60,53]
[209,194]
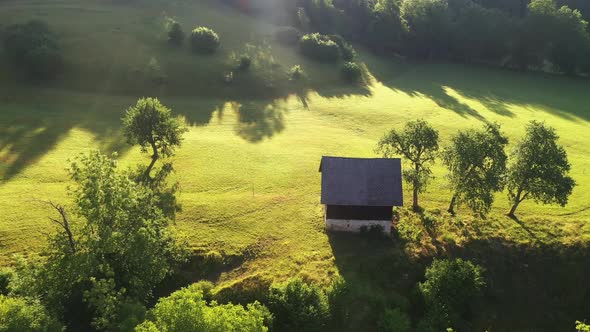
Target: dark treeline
[528,35]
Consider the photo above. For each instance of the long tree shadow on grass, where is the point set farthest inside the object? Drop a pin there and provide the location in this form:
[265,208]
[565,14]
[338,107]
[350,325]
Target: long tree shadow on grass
[496,89]
[529,287]
[34,121]
[32,128]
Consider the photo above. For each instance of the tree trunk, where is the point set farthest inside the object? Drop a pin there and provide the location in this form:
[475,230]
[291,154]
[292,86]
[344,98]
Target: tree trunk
[451,209]
[415,205]
[155,157]
[515,204]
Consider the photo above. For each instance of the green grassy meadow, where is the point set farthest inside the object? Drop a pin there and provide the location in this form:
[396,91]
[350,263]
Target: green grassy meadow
[248,167]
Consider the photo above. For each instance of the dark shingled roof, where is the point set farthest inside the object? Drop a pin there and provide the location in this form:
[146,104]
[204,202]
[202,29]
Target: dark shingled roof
[361,182]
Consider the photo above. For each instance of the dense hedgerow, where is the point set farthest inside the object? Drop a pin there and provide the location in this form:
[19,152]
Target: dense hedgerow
[352,72]
[298,306]
[34,47]
[347,52]
[20,315]
[394,320]
[204,40]
[187,310]
[319,47]
[450,290]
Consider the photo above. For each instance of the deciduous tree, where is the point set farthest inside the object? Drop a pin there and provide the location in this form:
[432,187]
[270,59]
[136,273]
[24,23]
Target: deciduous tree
[540,169]
[151,125]
[417,142]
[477,164]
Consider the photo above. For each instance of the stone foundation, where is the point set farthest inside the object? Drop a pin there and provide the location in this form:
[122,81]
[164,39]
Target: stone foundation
[354,226]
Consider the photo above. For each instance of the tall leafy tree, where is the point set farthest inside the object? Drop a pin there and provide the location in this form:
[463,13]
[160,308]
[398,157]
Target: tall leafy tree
[385,30]
[540,169]
[557,34]
[476,160]
[427,24]
[111,252]
[418,143]
[151,125]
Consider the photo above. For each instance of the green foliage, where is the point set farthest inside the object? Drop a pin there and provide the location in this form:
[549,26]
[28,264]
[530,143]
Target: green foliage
[151,125]
[298,306]
[175,33]
[245,62]
[560,35]
[394,320]
[244,291]
[34,47]
[539,169]
[204,40]
[427,24]
[582,327]
[186,310]
[5,278]
[418,143]
[296,73]
[352,72]
[385,30]
[259,59]
[21,315]
[476,160]
[339,295]
[319,47]
[479,33]
[115,254]
[450,290]
[347,52]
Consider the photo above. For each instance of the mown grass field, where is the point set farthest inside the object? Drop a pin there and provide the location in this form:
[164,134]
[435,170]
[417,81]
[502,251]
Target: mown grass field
[248,168]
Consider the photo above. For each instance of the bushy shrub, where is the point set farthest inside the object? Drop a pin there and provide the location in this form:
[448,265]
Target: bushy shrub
[351,72]
[186,310]
[20,315]
[5,277]
[394,320]
[175,33]
[339,298]
[244,62]
[298,306]
[582,327]
[204,40]
[346,50]
[450,289]
[296,73]
[288,36]
[34,47]
[319,47]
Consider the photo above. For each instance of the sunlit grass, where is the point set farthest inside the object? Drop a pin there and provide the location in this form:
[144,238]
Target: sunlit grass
[248,167]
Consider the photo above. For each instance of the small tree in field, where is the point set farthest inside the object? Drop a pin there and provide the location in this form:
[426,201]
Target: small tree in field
[418,143]
[540,169]
[152,126]
[477,163]
[175,33]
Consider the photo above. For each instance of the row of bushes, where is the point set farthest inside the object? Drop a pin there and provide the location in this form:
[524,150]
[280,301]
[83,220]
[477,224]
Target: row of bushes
[449,292]
[326,48]
[202,39]
[461,30]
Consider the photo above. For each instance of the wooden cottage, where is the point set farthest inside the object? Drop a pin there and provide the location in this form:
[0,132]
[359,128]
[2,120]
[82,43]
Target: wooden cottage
[359,192]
